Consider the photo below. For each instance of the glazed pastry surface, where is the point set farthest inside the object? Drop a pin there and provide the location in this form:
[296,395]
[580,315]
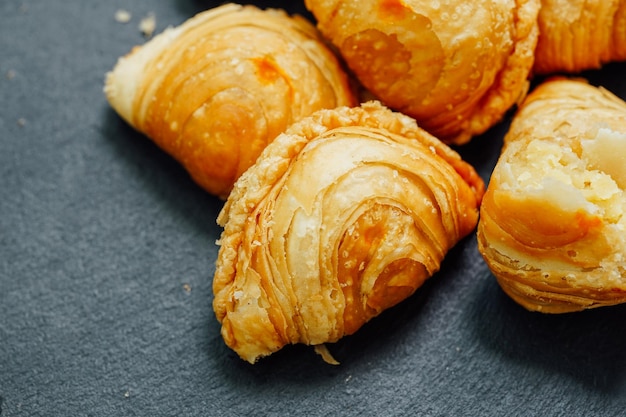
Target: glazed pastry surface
[552,225]
[343,216]
[214,91]
[577,35]
[455,66]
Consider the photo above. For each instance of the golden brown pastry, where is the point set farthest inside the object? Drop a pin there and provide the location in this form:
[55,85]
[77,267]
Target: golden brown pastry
[214,91]
[553,220]
[341,217]
[455,66]
[577,35]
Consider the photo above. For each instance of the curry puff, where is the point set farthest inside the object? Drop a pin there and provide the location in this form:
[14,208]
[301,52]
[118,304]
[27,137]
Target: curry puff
[578,35]
[214,91]
[455,66]
[343,216]
[553,225]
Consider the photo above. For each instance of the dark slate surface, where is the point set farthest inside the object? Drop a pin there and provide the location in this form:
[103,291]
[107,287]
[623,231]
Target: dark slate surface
[107,251]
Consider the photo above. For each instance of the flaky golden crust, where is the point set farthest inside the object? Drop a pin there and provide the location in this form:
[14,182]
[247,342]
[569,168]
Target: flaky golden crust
[577,35]
[552,226]
[341,217]
[455,66]
[214,91]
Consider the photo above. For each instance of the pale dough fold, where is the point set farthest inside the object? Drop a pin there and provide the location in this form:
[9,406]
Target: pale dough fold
[343,216]
[552,226]
[214,91]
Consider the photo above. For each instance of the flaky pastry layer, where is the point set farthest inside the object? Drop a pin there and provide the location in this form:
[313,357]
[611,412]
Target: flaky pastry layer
[214,91]
[552,225]
[578,35]
[344,215]
[455,66]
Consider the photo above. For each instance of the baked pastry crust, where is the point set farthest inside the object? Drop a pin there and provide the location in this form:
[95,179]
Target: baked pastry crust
[344,215]
[214,91]
[455,66]
[577,35]
[552,225]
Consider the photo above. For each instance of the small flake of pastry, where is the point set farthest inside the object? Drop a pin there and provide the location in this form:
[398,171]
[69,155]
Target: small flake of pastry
[343,216]
[214,91]
[147,25]
[123,16]
[552,225]
[455,66]
[578,35]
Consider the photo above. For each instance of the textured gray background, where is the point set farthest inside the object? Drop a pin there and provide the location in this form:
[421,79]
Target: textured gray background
[107,251]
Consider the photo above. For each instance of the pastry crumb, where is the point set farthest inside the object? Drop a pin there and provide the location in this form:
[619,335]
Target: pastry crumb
[21,122]
[187,288]
[147,25]
[323,351]
[123,16]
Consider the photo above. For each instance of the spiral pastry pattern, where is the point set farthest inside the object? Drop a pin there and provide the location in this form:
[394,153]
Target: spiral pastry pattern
[214,91]
[455,66]
[342,217]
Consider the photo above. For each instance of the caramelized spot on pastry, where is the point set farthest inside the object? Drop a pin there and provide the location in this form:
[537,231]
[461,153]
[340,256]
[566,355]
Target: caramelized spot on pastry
[396,283]
[522,216]
[393,9]
[267,69]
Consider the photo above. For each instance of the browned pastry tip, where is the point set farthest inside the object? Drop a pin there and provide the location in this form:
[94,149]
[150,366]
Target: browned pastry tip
[215,90]
[552,225]
[341,217]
